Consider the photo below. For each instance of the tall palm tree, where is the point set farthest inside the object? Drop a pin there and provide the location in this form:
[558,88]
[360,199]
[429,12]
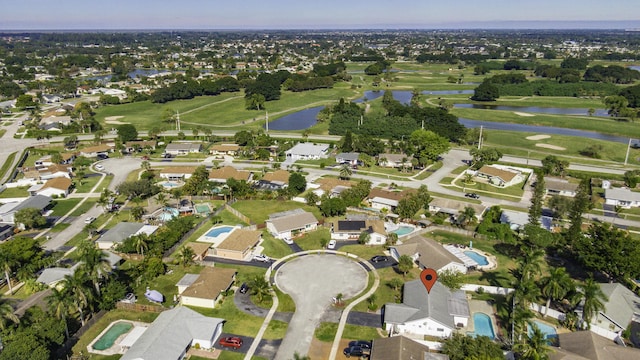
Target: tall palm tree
[140,242]
[530,264]
[594,300]
[185,256]
[345,171]
[74,287]
[534,347]
[94,263]
[6,264]
[466,216]
[60,305]
[6,313]
[556,286]
[162,199]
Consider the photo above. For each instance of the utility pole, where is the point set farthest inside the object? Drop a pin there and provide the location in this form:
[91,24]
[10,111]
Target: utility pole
[480,138]
[177,120]
[628,148]
[266,122]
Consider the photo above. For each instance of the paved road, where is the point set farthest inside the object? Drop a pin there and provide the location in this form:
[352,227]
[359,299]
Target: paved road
[312,281]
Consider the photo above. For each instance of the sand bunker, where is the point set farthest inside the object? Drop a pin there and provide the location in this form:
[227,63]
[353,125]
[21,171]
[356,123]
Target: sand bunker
[537,137]
[114,120]
[552,147]
[522,113]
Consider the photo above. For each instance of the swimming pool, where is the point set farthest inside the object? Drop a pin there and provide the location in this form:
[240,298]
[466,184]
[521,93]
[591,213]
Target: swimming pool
[169,184]
[483,326]
[549,331]
[403,230]
[168,214]
[480,259]
[217,231]
[108,338]
[203,209]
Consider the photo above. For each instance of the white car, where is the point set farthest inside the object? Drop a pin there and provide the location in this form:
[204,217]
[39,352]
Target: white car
[100,167]
[261,258]
[89,220]
[332,244]
[288,240]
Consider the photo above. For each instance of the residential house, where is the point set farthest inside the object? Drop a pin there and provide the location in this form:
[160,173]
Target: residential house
[336,191]
[380,199]
[120,94]
[94,151]
[173,333]
[55,171]
[394,160]
[221,175]
[200,250]
[453,207]
[619,309]
[53,276]
[586,345]
[517,220]
[51,98]
[275,180]
[402,348]
[177,173]
[183,148]
[58,187]
[138,145]
[208,288]
[499,177]
[121,232]
[351,158]
[436,313]
[45,161]
[622,197]
[54,122]
[288,224]
[222,150]
[238,244]
[562,187]
[308,151]
[428,253]
[8,210]
[6,231]
[351,230]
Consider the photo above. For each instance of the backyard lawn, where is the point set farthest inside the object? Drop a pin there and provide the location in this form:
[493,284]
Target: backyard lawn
[258,210]
[62,207]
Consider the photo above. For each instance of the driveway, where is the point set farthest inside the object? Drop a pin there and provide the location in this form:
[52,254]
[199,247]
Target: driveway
[313,281]
[120,168]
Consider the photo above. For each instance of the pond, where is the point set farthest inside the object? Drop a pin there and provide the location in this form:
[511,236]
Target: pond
[534,109]
[404,97]
[299,120]
[637,68]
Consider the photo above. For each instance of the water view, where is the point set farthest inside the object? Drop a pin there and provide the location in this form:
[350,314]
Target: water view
[299,120]
[534,109]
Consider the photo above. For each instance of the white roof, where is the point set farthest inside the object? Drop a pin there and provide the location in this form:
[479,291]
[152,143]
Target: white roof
[309,149]
[384,201]
[147,229]
[621,194]
[133,336]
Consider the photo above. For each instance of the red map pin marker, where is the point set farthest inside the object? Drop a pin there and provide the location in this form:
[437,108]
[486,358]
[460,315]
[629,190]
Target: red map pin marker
[428,277]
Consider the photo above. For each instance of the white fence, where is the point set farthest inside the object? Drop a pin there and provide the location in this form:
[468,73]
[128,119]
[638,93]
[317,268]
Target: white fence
[604,332]
[552,313]
[486,288]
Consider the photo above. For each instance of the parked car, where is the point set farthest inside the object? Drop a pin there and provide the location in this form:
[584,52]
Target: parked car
[244,288]
[231,341]
[262,258]
[356,351]
[89,220]
[100,167]
[362,343]
[288,240]
[472,195]
[379,258]
[102,156]
[332,244]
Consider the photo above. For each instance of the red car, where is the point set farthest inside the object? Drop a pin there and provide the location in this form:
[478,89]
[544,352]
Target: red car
[231,341]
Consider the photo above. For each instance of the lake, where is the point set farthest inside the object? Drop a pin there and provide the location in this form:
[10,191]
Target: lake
[404,97]
[635,68]
[534,109]
[299,120]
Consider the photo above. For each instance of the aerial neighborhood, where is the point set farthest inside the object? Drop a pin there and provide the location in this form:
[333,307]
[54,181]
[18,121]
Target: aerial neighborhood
[278,195]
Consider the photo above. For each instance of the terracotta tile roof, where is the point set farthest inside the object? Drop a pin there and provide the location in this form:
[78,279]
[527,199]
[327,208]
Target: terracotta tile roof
[225,147]
[278,175]
[58,168]
[240,240]
[505,175]
[178,170]
[211,282]
[97,148]
[62,183]
[327,184]
[229,172]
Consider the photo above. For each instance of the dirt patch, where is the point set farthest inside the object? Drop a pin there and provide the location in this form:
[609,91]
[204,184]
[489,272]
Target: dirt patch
[327,184]
[321,350]
[537,137]
[552,147]
[522,113]
[114,120]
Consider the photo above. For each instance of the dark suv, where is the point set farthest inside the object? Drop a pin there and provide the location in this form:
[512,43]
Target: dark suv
[356,351]
[244,288]
[361,343]
[472,195]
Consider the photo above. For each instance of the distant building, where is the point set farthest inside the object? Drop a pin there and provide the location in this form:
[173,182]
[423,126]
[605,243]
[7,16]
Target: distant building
[207,288]
[351,230]
[624,198]
[176,148]
[308,151]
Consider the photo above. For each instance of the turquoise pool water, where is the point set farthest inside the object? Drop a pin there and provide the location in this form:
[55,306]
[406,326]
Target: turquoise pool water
[483,326]
[549,332]
[106,341]
[480,259]
[202,208]
[215,232]
[170,184]
[403,230]
[168,214]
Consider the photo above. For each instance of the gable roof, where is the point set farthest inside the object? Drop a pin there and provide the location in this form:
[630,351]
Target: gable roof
[589,345]
[210,283]
[171,333]
[293,221]
[120,232]
[505,175]
[176,146]
[178,170]
[621,194]
[439,305]
[368,225]
[225,147]
[61,183]
[453,207]
[400,348]
[96,149]
[39,202]
[280,176]
[228,172]
[622,304]
[396,158]
[350,156]
[54,168]
[309,149]
[555,184]
[386,194]
[430,252]
[240,240]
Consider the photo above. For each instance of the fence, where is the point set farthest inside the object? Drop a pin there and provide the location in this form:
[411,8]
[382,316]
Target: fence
[140,307]
[486,288]
[185,237]
[237,213]
[603,332]
[456,230]
[71,341]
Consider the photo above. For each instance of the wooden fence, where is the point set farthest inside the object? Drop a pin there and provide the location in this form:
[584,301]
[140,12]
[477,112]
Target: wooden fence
[140,307]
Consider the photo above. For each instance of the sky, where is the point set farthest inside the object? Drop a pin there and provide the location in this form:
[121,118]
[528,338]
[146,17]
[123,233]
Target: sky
[317,14]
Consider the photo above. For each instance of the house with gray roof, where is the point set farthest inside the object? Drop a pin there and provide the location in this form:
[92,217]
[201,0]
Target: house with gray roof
[562,187]
[173,333]
[622,197]
[8,210]
[619,309]
[308,151]
[428,253]
[394,160]
[183,148]
[436,313]
[123,231]
[291,223]
[401,348]
[587,345]
[351,158]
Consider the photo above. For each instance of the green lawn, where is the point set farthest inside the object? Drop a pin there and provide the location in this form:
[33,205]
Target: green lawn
[259,210]
[62,207]
[5,167]
[15,192]
[274,248]
[82,209]
[237,322]
[326,332]
[312,240]
[87,184]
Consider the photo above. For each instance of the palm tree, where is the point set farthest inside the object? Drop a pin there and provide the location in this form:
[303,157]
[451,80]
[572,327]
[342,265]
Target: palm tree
[392,238]
[345,171]
[94,263]
[140,242]
[6,313]
[594,300]
[260,287]
[60,304]
[466,216]
[74,288]
[185,256]
[162,199]
[534,347]
[6,264]
[556,286]
[531,263]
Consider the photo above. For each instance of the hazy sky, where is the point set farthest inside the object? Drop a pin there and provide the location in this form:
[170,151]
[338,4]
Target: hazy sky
[306,14]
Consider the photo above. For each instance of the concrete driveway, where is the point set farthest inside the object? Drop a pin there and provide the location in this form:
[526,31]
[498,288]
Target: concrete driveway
[120,168]
[313,281]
